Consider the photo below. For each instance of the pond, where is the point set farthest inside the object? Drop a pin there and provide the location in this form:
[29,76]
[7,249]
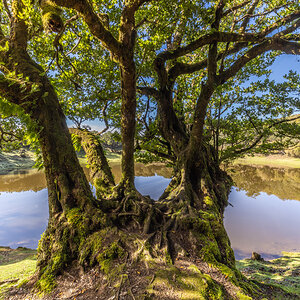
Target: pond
[263,214]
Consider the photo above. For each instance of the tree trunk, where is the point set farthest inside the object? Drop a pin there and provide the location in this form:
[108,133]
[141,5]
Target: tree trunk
[128,85]
[67,184]
[73,211]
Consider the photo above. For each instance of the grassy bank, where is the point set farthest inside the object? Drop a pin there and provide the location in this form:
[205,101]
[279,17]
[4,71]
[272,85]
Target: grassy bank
[16,266]
[271,160]
[11,162]
[283,272]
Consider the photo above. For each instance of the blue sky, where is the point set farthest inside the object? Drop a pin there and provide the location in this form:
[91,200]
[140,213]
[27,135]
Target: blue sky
[283,64]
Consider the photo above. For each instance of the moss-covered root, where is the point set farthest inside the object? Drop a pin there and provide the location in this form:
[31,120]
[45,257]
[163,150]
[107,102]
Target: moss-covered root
[60,244]
[138,270]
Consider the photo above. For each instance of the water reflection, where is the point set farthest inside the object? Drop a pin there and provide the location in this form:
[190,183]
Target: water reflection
[282,182]
[258,221]
[23,218]
[264,224]
[26,180]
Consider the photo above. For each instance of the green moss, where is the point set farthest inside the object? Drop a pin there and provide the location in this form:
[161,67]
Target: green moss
[282,272]
[208,201]
[242,296]
[74,216]
[57,262]
[168,258]
[188,283]
[108,255]
[51,16]
[91,247]
[46,283]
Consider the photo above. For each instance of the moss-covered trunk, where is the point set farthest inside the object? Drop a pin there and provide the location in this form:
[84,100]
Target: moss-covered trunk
[66,182]
[100,171]
[128,84]
[73,212]
[69,194]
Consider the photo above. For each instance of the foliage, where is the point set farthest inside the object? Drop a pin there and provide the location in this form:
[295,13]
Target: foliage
[87,80]
[258,118]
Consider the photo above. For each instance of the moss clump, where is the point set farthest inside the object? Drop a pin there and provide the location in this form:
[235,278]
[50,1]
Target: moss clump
[58,260]
[91,247]
[108,255]
[46,283]
[51,16]
[185,283]
[75,216]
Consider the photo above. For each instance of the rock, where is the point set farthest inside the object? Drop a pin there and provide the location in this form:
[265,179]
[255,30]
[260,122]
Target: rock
[296,272]
[256,256]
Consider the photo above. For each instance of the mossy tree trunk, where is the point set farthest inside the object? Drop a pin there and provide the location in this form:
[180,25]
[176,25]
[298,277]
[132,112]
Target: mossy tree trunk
[73,211]
[122,52]
[100,171]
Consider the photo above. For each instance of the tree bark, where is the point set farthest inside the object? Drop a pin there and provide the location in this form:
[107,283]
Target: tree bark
[100,171]
[67,184]
[128,86]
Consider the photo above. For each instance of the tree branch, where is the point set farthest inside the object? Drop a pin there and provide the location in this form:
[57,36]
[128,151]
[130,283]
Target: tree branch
[7,10]
[248,15]
[236,7]
[258,139]
[94,22]
[148,91]
[274,44]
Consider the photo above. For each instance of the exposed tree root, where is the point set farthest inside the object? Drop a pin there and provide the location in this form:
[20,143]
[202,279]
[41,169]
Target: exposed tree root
[161,246]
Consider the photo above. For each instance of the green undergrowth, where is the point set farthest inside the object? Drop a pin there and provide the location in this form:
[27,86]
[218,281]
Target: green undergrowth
[283,272]
[16,266]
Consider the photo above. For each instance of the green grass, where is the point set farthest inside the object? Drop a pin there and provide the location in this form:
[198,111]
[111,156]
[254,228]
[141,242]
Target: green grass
[270,161]
[283,272]
[16,266]
[111,157]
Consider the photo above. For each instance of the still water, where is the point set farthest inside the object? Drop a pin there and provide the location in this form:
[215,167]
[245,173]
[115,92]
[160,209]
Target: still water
[264,216]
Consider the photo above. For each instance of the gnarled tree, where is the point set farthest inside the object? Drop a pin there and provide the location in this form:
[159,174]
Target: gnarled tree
[180,237]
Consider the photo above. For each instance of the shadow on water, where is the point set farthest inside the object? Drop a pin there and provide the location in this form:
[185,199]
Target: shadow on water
[258,221]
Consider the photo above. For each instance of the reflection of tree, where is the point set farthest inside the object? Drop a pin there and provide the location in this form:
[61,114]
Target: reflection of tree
[143,170]
[284,183]
[34,181]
